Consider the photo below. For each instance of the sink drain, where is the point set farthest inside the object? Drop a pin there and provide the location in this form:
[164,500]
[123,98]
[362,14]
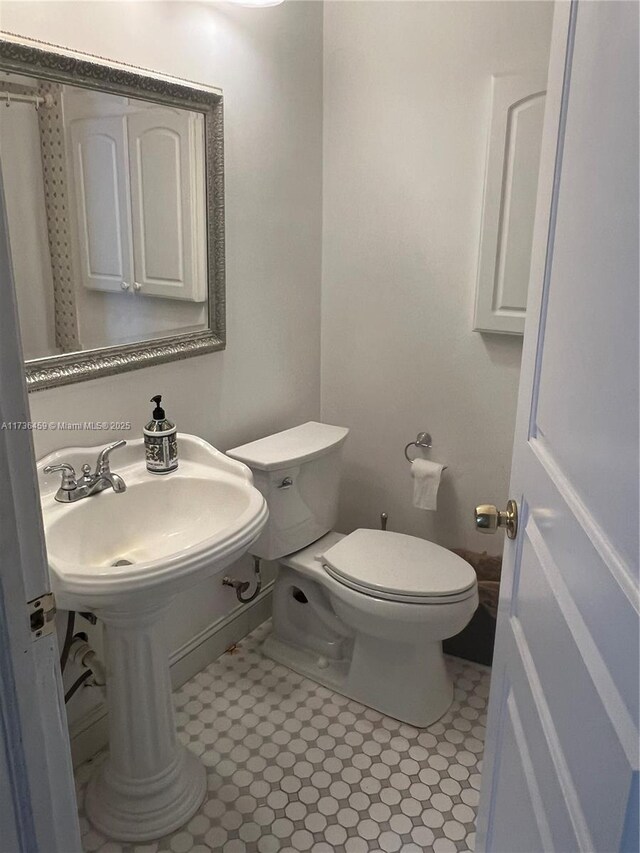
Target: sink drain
[122,563]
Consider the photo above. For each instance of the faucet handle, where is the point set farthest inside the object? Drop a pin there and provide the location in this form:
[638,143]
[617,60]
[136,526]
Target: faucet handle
[68,475]
[87,476]
[102,464]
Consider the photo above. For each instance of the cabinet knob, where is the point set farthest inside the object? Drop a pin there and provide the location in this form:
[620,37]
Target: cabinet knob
[489,519]
[137,286]
[124,285]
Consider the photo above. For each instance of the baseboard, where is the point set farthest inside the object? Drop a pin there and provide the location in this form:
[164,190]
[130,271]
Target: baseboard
[89,734]
[216,638]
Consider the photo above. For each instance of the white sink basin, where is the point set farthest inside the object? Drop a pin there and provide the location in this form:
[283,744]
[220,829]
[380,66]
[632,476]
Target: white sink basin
[167,532]
[172,530]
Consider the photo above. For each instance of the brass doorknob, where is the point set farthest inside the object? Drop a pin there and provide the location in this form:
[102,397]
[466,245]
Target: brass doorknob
[489,519]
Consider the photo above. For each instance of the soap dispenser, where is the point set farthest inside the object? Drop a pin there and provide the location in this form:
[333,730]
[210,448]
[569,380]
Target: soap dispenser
[160,441]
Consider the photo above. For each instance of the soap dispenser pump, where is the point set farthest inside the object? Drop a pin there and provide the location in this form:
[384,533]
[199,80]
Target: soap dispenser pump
[160,441]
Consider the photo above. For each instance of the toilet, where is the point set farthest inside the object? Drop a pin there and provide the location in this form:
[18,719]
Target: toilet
[363,614]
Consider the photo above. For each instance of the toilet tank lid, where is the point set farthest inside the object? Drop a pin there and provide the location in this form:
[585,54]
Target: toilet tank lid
[290,447]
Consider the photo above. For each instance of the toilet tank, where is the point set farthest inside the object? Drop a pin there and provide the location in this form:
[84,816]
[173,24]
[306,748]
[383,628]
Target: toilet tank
[298,472]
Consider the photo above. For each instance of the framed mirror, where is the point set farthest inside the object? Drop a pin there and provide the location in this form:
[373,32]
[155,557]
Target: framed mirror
[114,187]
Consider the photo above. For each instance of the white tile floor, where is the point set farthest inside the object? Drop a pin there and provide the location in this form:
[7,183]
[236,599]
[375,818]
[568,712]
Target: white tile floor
[293,766]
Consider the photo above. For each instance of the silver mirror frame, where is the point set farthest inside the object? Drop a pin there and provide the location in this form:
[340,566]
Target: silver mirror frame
[22,56]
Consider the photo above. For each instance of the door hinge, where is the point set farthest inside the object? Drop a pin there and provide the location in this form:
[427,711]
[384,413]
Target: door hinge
[42,612]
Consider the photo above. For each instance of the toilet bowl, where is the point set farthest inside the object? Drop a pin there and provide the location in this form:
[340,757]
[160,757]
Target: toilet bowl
[383,649]
[363,614]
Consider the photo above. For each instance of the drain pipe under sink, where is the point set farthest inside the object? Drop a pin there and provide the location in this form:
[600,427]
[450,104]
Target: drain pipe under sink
[82,654]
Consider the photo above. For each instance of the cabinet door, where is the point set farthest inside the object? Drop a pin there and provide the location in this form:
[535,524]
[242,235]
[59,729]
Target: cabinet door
[166,162]
[511,180]
[100,183]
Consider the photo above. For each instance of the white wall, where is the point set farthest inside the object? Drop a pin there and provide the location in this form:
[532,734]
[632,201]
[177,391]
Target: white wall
[269,65]
[406,111]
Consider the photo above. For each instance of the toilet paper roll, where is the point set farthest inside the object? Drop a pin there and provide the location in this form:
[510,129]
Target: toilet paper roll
[426,481]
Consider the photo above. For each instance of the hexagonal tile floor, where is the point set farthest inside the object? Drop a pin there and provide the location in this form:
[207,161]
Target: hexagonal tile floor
[293,766]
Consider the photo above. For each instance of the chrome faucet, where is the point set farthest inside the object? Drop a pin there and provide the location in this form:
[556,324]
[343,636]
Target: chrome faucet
[72,489]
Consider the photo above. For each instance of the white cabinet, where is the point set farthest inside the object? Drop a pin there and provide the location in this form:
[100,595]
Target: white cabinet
[166,167]
[103,229]
[511,180]
[140,199]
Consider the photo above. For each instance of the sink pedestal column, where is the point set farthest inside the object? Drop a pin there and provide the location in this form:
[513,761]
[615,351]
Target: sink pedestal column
[150,784]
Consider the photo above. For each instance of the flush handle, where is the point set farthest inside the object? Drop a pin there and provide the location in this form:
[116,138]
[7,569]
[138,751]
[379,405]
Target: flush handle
[286,483]
[489,518]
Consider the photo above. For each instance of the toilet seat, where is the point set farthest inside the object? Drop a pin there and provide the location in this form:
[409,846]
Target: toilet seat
[397,567]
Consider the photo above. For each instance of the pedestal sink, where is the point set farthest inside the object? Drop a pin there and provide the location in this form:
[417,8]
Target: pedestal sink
[124,557]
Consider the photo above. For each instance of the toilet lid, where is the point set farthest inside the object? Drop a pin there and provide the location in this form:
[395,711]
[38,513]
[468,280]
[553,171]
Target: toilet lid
[384,563]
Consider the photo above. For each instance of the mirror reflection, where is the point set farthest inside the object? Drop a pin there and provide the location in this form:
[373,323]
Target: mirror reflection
[106,202]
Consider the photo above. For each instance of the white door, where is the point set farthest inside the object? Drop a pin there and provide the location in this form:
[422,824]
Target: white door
[561,765]
[101,188]
[37,796]
[166,163]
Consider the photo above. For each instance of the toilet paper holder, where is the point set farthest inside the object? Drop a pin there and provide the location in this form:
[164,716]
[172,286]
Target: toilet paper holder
[423,440]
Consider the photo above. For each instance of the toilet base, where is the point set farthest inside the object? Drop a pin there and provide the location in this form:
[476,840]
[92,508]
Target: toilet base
[383,677]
